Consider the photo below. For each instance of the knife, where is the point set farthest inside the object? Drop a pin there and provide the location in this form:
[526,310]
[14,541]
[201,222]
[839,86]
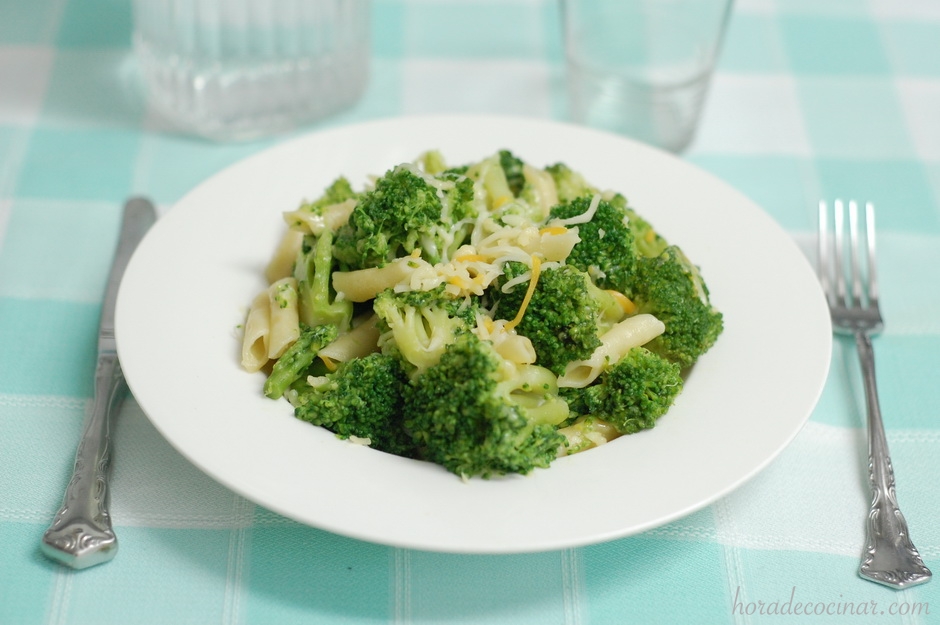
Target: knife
[81,535]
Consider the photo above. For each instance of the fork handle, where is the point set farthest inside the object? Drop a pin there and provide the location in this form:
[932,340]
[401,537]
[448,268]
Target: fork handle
[81,534]
[890,557]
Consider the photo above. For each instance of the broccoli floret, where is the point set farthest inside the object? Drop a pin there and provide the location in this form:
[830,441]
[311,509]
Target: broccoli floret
[458,170]
[401,214]
[362,398]
[570,184]
[512,169]
[461,200]
[647,241]
[339,191]
[419,325]
[606,250]
[294,362]
[404,213]
[671,288]
[631,394]
[562,317]
[477,414]
[313,269]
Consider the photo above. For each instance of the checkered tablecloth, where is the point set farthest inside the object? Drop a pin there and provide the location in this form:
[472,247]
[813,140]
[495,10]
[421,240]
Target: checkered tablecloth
[813,99]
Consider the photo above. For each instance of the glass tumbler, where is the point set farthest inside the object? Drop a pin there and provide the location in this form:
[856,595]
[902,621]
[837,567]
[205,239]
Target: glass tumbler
[243,69]
[642,67]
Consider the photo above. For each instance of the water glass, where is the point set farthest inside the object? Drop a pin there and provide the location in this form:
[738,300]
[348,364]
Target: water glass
[642,67]
[242,69]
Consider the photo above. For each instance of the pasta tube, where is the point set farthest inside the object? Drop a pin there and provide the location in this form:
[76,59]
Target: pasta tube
[357,343]
[282,263]
[362,285]
[255,338]
[284,316]
[615,343]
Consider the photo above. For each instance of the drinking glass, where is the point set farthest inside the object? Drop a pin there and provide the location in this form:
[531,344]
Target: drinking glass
[241,69]
[642,67]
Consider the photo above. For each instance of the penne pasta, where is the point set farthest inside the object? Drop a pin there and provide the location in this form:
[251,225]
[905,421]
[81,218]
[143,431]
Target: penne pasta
[284,316]
[330,218]
[255,337]
[364,284]
[546,194]
[515,348]
[615,343]
[282,263]
[585,434]
[361,341]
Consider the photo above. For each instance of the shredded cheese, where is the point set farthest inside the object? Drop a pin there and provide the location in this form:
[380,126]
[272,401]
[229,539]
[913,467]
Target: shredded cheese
[469,258]
[536,270]
[317,381]
[458,282]
[330,364]
[584,217]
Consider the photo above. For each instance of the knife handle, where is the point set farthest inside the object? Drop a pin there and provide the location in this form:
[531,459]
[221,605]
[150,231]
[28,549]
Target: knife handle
[81,535]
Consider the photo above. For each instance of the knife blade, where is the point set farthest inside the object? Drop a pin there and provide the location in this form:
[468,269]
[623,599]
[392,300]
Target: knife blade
[81,534]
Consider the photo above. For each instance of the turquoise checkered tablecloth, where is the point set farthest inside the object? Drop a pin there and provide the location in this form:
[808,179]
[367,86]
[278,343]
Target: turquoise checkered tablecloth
[813,99]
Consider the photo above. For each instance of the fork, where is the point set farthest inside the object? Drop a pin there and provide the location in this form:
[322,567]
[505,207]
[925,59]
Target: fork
[849,279]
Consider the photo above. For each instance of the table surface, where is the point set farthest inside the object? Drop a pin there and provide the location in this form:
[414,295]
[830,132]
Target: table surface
[812,100]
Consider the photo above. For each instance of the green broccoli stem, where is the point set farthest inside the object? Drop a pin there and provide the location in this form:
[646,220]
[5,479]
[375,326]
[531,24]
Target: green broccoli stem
[297,359]
[610,309]
[315,269]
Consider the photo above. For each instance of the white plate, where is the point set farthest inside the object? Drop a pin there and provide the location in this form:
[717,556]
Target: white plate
[190,281]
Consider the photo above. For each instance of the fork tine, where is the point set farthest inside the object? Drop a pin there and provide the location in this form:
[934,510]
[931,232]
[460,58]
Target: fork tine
[822,248]
[872,271]
[839,228]
[846,254]
[855,267]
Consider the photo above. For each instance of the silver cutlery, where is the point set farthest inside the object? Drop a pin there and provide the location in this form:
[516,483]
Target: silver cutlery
[848,275]
[81,534]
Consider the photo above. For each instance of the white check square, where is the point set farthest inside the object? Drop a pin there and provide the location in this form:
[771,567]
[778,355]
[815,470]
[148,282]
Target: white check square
[24,76]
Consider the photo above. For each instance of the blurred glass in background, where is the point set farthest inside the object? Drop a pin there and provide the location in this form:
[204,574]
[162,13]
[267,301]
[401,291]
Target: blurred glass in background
[642,67]
[243,69]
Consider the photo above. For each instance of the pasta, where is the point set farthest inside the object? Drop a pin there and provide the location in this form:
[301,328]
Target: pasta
[284,316]
[331,218]
[364,284]
[361,341]
[255,338]
[282,263]
[615,343]
[272,324]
